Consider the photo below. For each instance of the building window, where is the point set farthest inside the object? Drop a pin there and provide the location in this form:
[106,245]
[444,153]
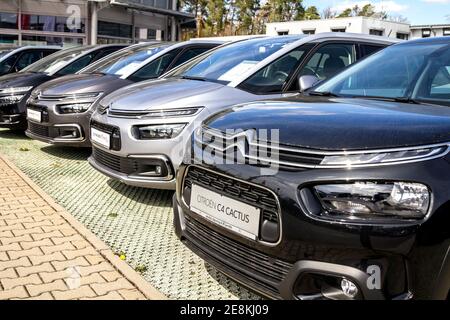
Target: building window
[446,32]
[112,29]
[283,33]
[426,33]
[309,31]
[9,39]
[151,34]
[50,40]
[402,36]
[49,23]
[376,32]
[8,20]
[338,29]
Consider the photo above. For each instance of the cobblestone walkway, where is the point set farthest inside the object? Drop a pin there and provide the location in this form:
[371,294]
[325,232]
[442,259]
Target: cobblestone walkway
[46,254]
[133,221]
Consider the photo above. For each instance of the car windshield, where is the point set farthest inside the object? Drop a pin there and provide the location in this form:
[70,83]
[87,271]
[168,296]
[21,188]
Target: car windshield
[56,61]
[5,51]
[229,62]
[413,73]
[125,61]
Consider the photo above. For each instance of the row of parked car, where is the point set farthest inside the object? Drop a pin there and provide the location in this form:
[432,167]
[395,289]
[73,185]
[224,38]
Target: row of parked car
[298,172]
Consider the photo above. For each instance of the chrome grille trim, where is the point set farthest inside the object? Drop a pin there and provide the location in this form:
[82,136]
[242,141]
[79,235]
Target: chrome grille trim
[283,150]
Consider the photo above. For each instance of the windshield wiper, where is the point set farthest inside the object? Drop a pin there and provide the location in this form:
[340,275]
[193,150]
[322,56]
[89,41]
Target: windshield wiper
[323,94]
[393,99]
[193,78]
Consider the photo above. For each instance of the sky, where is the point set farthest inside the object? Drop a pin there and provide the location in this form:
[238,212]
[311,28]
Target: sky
[417,11]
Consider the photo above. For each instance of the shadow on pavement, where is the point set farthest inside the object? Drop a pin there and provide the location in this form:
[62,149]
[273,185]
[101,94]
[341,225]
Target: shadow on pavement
[153,197]
[13,134]
[69,153]
[230,285]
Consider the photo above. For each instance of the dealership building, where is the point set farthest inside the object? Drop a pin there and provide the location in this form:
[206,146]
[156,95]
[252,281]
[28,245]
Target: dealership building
[364,25]
[74,22]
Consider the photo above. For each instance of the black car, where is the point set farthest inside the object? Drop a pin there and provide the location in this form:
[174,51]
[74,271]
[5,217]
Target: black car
[16,88]
[342,193]
[14,59]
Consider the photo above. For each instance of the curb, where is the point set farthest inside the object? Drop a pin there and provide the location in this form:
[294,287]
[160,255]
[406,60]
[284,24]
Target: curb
[122,267]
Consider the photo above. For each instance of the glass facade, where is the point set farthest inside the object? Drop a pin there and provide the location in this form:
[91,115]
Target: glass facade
[8,20]
[112,29]
[164,4]
[50,23]
[9,39]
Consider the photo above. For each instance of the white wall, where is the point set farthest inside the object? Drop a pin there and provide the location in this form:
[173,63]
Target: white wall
[352,24]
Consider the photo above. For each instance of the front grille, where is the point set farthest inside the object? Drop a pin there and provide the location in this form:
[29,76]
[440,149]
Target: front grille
[250,194]
[114,132]
[38,129]
[258,269]
[103,127]
[255,151]
[116,163]
[42,109]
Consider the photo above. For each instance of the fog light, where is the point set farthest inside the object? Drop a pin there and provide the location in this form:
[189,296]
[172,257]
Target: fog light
[158,170]
[349,288]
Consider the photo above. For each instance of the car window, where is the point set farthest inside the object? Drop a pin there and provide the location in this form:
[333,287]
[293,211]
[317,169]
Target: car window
[28,58]
[415,71]
[231,61]
[188,55]
[125,61]
[368,49]
[7,64]
[104,53]
[436,81]
[274,76]
[77,65]
[155,68]
[54,62]
[329,59]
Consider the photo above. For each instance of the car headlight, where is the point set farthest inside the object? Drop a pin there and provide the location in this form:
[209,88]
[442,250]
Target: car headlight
[10,96]
[371,158]
[74,108]
[159,131]
[186,112]
[369,201]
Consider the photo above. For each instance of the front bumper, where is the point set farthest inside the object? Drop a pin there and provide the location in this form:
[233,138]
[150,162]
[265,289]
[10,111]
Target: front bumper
[167,182]
[58,129]
[127,151]
[11,117]
[312,256]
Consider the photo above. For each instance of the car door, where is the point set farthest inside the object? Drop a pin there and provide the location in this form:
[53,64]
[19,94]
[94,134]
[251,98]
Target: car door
[26,58]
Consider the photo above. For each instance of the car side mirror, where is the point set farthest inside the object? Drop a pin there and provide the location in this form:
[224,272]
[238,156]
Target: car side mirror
[307,82]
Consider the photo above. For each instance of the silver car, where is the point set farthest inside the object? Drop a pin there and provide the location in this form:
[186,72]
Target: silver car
[68,100]
[140,132]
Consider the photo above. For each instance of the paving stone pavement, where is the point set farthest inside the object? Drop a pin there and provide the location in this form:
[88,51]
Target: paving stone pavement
[46,254]
[133,221]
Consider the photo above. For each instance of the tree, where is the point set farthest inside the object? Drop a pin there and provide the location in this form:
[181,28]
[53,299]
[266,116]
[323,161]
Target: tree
[346,13]
[366,11]
[397,18]
[246,13]
[328,13]
[311,13]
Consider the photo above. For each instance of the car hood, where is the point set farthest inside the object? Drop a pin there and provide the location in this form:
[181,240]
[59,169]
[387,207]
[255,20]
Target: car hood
[162,93]
[341,124]
[83,83]
[23,79]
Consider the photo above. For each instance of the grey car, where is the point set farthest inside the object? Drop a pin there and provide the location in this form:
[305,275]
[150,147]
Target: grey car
[14,59]
[15,88]
[68,100]
[140,132]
